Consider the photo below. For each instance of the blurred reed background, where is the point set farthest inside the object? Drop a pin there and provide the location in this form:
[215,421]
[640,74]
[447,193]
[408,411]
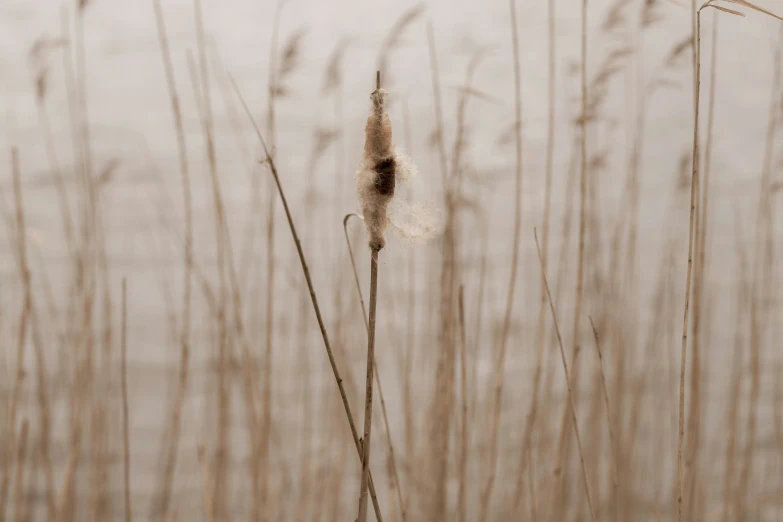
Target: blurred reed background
[160,357]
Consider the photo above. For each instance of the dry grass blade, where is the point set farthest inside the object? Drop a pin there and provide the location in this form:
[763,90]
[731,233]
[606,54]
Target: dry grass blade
[167,479]
[612,440]
[512,280]
[314,299]
[463,455]
[125,422]
[726,10]
[749,5]
[207,487]
[10,442]
[353,266]
[689,270]
[568,381]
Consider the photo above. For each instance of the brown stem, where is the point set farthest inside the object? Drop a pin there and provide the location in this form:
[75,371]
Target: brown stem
[683,350]
[568,383]
[170,465]
[368,390]
[500,365]
[396,475]
[125,423]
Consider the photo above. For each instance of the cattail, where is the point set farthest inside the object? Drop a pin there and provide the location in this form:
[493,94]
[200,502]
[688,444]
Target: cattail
[375,179]
[382,167]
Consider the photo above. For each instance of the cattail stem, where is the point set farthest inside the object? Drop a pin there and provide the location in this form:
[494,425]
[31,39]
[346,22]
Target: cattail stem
[403,511]
[125,423]
[368,391]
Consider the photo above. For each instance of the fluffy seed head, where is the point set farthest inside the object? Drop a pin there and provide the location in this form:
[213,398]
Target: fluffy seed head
[382,169]
[375,180]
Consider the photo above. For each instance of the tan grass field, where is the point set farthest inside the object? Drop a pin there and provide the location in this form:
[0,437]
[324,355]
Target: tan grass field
[404,262]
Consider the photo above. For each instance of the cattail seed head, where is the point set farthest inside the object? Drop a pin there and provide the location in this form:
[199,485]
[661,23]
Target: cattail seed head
[383,168]
[375,179]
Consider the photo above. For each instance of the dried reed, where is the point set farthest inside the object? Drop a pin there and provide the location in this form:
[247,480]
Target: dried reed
[568,383]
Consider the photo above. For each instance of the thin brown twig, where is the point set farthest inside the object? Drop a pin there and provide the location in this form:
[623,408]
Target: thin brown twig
[125,421]
[207,487]
[21,461]
[612,439]
[10,437]
[368,390]
[463,454]
[532,414]
[170,465]
[511,290]
[694,184]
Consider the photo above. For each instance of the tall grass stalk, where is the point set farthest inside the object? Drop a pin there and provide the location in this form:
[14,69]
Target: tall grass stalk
[612,439]
[693,205]
[568,383]
[463,453]
[125,422]
[170,457]
[10,438]
[694,185]
[532,414]
[368,390]
[499,377]
[20,502]
[269,323]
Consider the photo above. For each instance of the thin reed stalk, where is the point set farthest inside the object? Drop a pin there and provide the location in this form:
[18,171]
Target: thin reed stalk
[206,486]
[170,458]
[568,383]
[21,462]
[499,378]
[463,453]
[368,390]
[269,322]
[9,447]
[580,270]
[125,415]
[441,401]
[221,471]
[612,440]
[532,415]
[694,185]
[396,476]
[743,296]
[760,283]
